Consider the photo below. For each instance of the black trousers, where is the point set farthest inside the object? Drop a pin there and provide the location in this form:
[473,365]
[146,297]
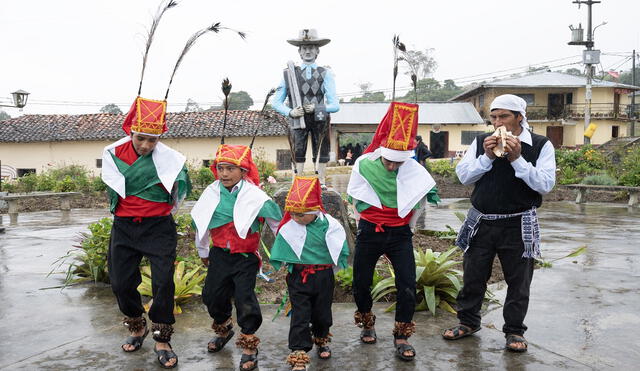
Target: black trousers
[155,238]
[310,304]
[502,237]
[232,276]
[300,138]
[395,243]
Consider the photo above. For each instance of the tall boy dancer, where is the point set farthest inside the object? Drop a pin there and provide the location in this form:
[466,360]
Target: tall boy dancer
[146,182]
[387,187]
[229,214]
[311,243]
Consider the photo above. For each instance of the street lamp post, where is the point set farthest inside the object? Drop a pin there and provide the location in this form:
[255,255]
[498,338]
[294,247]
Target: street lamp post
[20,98]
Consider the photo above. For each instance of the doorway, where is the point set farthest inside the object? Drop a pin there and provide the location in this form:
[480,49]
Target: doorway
[555,106]
[555,135]
[439,144]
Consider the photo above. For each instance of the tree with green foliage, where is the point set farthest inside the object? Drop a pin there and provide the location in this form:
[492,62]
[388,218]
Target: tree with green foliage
[4,115]
[111,108]
[237,101]
[431,90]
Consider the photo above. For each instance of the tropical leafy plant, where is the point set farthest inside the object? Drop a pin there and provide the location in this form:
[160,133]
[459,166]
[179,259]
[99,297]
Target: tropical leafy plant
[549,263]
[89,261]
[188,282]
[437,282]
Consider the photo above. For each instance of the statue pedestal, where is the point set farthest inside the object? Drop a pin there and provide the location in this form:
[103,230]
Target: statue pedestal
[335,206]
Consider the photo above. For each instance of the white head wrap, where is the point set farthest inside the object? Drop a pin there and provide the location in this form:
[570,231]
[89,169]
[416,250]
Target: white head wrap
[395,155]
[512,103]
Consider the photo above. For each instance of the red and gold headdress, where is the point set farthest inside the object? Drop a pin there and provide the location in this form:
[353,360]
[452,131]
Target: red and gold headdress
[146,116]
[397,130]
[304,195]
[237,155]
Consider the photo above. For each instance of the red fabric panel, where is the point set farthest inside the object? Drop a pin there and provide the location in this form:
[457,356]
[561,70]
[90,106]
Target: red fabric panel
[386,216]
[133,206]
[227,233]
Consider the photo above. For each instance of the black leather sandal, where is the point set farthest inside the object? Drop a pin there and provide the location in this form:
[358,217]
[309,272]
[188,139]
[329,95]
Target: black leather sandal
[512,339]
[460,331]
[219,342]
[323,349]
[136,341]
[401,348]
[165,356]
[249,358]
[368,333]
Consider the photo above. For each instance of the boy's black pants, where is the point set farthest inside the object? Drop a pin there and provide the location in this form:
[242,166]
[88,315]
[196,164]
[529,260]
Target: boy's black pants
[131,239]
[395,243]
[232,276]
[310,304]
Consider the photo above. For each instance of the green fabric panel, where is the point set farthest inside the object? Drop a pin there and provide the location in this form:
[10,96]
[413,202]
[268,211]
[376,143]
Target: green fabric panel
[433,196]
[381,180]
[224,212]
[141,180]
[315,250]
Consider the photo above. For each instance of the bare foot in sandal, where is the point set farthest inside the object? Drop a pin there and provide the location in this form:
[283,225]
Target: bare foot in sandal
[459,331]
[128,347]
[169,363]
[406,353]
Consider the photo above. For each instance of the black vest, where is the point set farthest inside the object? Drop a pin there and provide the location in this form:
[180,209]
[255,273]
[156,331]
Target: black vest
[499,191]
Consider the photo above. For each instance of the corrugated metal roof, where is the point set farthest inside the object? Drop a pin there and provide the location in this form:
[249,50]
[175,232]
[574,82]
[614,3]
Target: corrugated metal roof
[545,79]
[429,113]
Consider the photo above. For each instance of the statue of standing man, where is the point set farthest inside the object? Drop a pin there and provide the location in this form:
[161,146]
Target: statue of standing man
[311,94]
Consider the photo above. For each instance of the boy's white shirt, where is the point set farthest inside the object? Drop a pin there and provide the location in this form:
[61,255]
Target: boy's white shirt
[410,175]
[168,163]
[246,209]
[296,234]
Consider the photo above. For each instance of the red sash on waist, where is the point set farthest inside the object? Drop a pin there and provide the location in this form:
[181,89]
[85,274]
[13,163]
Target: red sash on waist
[227,233]
[133,206]
[386,216]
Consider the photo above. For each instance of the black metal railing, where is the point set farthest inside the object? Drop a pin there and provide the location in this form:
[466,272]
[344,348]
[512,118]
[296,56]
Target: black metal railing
[576,111]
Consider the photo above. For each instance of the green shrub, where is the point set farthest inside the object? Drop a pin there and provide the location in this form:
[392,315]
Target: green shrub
[599,179]
[574,165]
[344,277]
[443,168]
[630,170]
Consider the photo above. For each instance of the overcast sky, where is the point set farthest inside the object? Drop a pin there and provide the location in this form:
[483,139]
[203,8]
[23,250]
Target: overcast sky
[74,56]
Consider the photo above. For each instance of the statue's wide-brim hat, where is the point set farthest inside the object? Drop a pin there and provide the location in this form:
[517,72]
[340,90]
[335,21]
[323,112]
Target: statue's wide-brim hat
[309,37]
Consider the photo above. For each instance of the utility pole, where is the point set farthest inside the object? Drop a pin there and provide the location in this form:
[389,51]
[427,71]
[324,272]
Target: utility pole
[633,94]
[589,58]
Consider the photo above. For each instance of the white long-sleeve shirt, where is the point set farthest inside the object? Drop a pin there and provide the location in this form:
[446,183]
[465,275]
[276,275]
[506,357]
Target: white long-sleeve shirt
[541,178]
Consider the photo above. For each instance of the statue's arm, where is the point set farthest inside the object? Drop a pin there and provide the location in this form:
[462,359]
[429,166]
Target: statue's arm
[278,99]
[329,86]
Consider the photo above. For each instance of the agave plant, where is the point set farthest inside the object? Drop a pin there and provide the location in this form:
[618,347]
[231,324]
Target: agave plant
[437,282]
[187,284]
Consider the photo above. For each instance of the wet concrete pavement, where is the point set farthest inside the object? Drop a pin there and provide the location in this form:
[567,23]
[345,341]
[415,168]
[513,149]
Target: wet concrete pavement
[581,314]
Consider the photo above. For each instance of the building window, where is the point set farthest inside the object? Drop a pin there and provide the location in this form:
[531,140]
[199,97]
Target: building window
[468,136]
[615,131]
[569,98]
[99,163]
[23,172]
[529,98]
[481,101]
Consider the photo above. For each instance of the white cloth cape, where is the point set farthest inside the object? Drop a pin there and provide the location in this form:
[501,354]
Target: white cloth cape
[248,204]
[168,163]
[296,234]
[414,182]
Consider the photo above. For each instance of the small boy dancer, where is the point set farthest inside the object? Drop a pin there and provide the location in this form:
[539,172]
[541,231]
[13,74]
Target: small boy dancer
[230,211]
[311,243]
